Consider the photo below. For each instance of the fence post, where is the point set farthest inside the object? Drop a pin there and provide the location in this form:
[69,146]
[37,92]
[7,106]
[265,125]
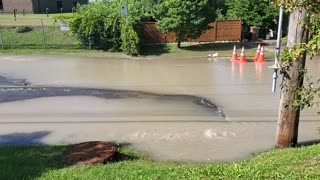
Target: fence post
[215,30]
[47,12]
[43,34]
[15,14]
[2,46]
[24,12]
[90,42]
[73,10]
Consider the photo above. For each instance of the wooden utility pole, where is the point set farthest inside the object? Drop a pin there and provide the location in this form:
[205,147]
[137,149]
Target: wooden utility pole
[288,120]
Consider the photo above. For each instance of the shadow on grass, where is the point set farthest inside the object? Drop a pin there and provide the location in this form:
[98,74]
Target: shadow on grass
[40,46]
[220,46]
[21,161]
[27,162]
[125,153]
[155,50]
[308,143]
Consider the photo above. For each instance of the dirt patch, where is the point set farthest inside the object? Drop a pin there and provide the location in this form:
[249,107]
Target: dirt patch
[88,153]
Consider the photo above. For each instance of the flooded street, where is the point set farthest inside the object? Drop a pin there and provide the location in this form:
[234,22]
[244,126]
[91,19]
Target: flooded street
[179,110]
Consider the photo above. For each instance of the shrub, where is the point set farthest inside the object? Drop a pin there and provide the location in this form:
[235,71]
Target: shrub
[130,40]
[107,29]
[23,29]
[90,22]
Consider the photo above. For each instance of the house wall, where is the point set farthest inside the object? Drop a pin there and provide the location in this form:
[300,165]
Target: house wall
[42,5]
[10,5]
[39,6]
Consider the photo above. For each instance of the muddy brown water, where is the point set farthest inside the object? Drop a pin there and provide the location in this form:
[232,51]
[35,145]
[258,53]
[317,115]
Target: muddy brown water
[166,127]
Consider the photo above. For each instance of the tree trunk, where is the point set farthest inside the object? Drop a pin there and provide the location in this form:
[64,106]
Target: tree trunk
[288,120]
[179,44]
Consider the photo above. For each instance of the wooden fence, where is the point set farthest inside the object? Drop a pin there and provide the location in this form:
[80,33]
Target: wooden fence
[229,30]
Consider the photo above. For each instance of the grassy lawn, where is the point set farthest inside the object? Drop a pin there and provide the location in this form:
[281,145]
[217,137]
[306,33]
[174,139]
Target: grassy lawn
[26,22]
[169,51]
[34,39]
[74,52]
[44,162]
[194,51]
[29,15]
[28,19]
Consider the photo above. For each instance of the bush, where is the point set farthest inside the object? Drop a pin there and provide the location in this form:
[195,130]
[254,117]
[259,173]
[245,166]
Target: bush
[130,40]
[92,23]
[106,28]
[23,29]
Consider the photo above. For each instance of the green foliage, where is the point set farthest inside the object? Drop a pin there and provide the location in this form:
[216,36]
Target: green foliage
[55,39]
[187,19]
[260,13]
[92,22]
[102,24]
[65,18]
[220,15]
[23,29]
[130,40]
[307,95]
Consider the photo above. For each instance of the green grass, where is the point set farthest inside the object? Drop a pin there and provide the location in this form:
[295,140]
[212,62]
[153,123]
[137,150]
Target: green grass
[67,52]
[26,22]
[44,162]
[158,52]
[28,19]
[196,51]
[29,15]
[34,39]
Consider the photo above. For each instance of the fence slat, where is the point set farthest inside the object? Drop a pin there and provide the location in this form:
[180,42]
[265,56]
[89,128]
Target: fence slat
[227,30]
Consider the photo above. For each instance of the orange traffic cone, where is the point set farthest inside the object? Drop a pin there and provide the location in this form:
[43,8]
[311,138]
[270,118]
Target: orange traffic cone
[234,54]
[243,58]
[261,56]
[256,57]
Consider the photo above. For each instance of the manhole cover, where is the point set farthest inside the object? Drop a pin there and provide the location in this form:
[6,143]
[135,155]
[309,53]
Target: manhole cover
[88,152]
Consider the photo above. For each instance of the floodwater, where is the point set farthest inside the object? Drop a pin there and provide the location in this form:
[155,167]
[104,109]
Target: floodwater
[167,123]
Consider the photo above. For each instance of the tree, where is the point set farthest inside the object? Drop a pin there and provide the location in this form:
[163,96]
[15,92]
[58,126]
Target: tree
[258,13]
[187,18]
[304,21]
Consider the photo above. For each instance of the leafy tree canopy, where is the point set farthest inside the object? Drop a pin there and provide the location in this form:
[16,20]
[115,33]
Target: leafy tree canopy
[259,13]
[186,18]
